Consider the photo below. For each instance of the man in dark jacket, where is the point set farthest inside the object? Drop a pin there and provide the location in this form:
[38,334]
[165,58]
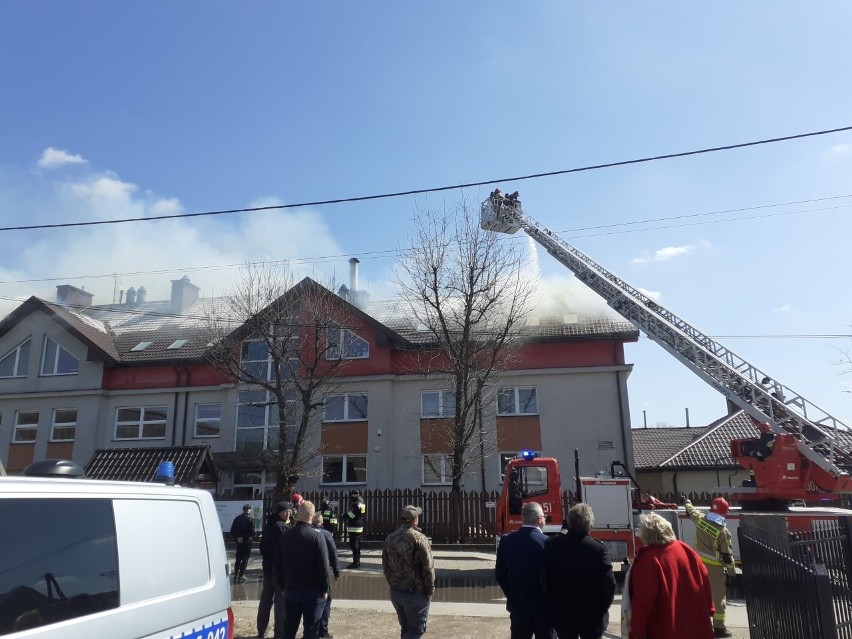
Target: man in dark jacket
[302,572]
[242,533]
[318,522]
[520,566]
[276,525]
[578,578]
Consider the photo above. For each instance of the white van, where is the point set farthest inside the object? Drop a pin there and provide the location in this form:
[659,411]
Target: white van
[86,559]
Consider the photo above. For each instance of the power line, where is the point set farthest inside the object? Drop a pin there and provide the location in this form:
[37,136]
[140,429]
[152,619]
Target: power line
[389,252]
[364,198]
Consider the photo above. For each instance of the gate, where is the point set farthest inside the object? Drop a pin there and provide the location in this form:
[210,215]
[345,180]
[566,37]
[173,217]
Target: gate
[797,582]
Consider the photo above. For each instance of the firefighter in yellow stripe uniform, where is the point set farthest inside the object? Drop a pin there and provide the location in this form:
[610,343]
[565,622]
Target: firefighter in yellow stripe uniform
[355,525]
[714,544]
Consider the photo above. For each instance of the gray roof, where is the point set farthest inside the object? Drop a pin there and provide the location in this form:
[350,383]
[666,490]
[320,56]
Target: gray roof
[114,330]
[397,315]
[193,464]
[653,446]
[691,448]
[712,449]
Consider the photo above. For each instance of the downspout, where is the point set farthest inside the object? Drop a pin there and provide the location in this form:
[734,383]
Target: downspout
[186,403]
[628,454]
[178,385]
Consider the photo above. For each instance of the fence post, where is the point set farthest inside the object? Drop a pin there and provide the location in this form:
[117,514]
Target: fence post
[825,605]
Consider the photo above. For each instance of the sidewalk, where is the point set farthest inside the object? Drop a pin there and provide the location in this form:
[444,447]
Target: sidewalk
[469,564]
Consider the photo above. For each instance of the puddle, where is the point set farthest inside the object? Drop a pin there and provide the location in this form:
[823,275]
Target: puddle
[372,585]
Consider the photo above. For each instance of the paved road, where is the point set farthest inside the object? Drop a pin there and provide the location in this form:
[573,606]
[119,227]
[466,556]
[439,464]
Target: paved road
[463,563]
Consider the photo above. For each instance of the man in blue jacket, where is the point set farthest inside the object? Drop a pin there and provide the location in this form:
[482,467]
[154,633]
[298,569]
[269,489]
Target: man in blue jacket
[519,571]
[318,522]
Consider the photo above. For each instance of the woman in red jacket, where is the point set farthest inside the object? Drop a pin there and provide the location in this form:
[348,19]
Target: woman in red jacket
[670,596]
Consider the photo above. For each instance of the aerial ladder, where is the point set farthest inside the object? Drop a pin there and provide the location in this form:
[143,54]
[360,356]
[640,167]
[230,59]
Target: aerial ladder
[802,453]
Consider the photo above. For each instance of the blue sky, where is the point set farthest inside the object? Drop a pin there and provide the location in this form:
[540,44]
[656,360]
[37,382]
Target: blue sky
[113,110]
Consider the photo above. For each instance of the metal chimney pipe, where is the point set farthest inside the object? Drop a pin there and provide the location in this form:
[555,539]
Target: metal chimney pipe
[353,274]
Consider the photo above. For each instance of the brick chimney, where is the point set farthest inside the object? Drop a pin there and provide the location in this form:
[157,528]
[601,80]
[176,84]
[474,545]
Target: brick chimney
[68,295]
[184,295]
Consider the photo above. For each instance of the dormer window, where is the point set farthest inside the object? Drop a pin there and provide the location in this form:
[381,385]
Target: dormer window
[16,363]
[55,360]
[346,344]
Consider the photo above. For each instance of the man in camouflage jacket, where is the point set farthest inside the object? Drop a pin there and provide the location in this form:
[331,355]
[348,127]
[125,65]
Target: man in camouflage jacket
[410,572]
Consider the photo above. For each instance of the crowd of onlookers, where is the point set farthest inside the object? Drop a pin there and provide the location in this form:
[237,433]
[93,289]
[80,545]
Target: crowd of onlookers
[560,586]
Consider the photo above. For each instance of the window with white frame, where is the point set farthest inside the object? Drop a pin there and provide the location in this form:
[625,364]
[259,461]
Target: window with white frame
[26,425]
[345,408]
[16,362]
[344,469]
[437,403]
[257,421]
[64,426]
[437,469]
[346,344]
[55,360]
[256,360]
[141,422]
[521,400]
[208,419]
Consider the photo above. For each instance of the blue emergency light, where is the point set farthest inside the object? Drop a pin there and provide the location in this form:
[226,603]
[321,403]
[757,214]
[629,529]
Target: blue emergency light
[165,473]
[527,454]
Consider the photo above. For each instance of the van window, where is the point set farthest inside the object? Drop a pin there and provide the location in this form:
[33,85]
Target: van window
[58,560]
[164,541]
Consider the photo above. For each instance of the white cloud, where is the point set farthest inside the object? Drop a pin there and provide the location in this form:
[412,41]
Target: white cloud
[786,308]
[170,206]
[665,254]
[52,158]
[841,149]
[88,256]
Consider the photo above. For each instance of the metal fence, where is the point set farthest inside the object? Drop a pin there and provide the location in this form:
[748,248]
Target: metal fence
[797,581]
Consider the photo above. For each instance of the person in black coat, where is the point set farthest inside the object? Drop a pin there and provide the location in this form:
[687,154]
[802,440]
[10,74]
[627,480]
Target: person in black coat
[578,578]
[270,595]
[242,532]
[520,566]
[303,574]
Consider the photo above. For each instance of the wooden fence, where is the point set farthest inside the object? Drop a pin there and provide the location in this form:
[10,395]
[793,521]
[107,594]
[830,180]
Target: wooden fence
[477,523]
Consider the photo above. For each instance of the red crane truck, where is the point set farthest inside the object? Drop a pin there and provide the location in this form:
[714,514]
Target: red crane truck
[800,452]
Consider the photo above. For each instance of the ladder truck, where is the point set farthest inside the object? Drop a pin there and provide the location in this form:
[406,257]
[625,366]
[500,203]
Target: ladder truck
[802,452]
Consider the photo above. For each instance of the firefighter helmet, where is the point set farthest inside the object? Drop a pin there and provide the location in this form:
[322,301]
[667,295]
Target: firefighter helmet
[720,506]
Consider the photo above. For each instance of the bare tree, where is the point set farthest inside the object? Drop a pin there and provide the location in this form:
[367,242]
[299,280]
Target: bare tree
[469,290]
[286,342]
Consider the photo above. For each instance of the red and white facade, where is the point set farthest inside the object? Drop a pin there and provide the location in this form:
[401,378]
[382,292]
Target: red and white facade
[75,378]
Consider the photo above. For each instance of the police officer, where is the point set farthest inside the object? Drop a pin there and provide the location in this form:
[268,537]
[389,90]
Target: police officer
[329,517]
[355,525]
[242,532]
[714,545]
